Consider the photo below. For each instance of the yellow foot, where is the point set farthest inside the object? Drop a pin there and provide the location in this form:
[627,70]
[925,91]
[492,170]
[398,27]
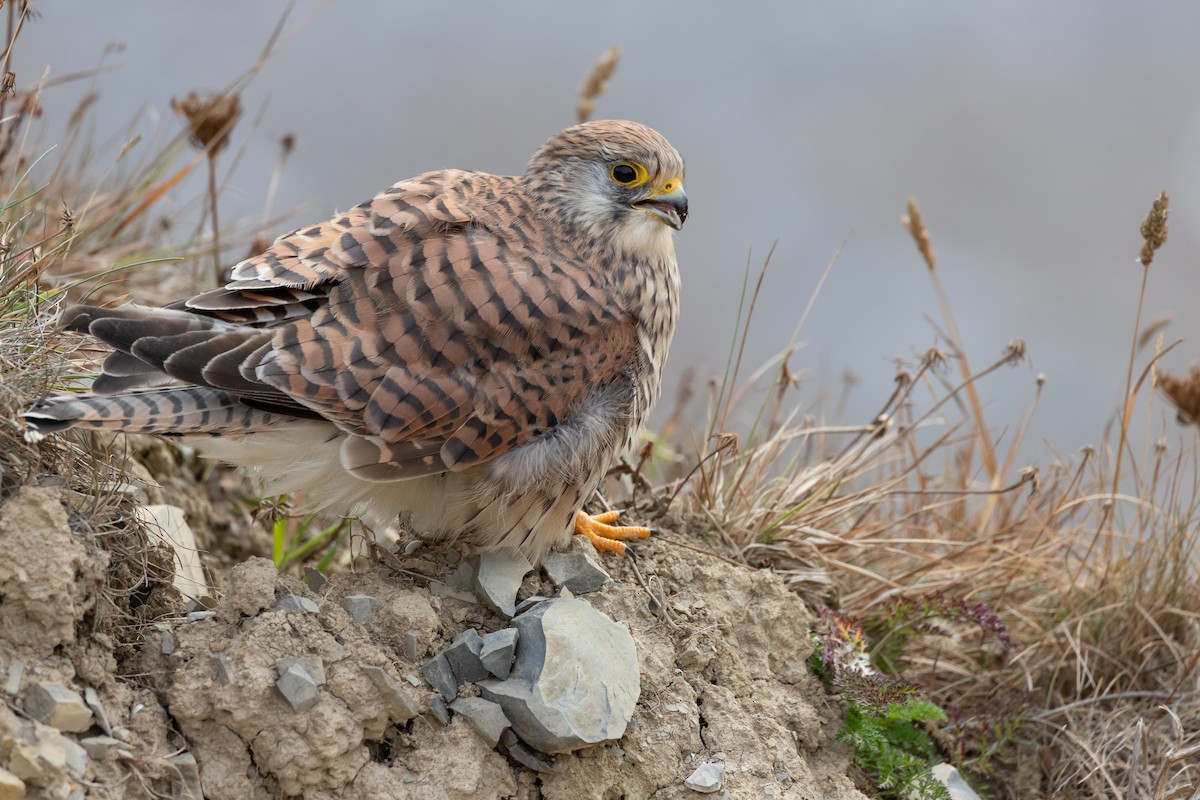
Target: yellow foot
[604,536]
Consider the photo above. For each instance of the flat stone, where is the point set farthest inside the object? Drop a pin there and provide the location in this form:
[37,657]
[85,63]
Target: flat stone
[399,701]
[524,755]
[92,698]
[314,579]
[707,778]
[498,650]
[498,577]
[440,676]
[463,655]
[77,756]
[171,524]
[954,782]
[486,717]
[575,681]
[360,607]
[577,571]
[299,681]
[102,747]
[439,711]
[186,782]
[12,681]
[222,668]
[412,645]
[440,589]
[530,602]
[58,706]
[295,604]
[11,787]
[463,577]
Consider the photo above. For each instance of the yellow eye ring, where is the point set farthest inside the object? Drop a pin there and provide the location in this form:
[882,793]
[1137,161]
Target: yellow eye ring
[628,175]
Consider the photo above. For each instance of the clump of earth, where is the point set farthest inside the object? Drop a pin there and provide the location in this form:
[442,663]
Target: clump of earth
[118,685]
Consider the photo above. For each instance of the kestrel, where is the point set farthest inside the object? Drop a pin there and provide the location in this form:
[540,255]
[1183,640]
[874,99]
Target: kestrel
[464,352]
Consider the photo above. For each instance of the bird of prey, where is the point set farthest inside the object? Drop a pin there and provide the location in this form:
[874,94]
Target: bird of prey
[464,352]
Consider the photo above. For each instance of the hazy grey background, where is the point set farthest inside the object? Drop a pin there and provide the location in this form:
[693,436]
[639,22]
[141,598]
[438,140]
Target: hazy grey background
[1034,134]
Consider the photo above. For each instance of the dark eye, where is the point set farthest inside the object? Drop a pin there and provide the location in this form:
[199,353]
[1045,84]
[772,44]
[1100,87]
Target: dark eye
[626,174]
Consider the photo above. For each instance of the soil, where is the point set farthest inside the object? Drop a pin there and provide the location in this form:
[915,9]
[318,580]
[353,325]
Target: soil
[189,693]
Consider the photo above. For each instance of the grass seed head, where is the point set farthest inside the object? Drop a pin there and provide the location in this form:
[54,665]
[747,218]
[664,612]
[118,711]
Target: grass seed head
[596,82]
[1154,228]
[914,223]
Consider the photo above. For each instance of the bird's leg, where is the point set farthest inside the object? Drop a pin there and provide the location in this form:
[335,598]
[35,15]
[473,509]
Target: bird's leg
[604,536]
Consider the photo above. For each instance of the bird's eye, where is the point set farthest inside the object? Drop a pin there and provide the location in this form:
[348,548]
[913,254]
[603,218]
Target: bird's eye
[628,175]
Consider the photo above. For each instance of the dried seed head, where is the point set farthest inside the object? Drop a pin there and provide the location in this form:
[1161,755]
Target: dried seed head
[1154,228]
[1016,352]
[914,223]
[8,82]
[210,117]
[596,82]
[1184,393]
[287,143]
[67,219]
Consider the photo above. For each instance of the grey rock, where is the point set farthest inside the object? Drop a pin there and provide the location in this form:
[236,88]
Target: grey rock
[440,589]
[92,698]
[707,778]
[440,676]
[360,607]
[200,616]
[295,604]
[412,645]
[399,700]
[438,709]
[463,577]
[314,579]
[463,655]
[77,756]
[950,777]
[575,681]
[102,747]
[299,681]
[498,577]
[524,755]
[486,717]
[530,602]
[12,682]
[222,668]
[58,706]
[186,782]
[578,571]
[167,644]
[498,650]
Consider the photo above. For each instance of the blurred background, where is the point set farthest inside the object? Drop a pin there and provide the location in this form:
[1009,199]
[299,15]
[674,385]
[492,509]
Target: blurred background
[1034,135]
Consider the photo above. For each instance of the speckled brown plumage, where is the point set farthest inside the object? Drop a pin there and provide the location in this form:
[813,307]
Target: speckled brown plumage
[481,342]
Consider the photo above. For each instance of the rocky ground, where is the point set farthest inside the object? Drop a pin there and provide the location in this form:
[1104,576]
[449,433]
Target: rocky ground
[369,683]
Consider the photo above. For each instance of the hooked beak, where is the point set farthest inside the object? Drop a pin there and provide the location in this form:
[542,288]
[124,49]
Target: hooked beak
[670,207]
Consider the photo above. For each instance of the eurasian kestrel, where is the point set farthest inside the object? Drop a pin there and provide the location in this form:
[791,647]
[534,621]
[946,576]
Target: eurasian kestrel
[467,352]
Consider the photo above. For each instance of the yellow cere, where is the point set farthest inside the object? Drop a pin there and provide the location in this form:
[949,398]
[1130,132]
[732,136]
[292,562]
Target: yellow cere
[629,174]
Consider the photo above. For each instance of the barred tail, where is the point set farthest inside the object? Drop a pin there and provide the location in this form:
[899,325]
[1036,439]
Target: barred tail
[170,411]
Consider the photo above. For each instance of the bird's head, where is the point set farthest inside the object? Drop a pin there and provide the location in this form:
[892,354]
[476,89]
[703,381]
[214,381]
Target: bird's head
[620,182]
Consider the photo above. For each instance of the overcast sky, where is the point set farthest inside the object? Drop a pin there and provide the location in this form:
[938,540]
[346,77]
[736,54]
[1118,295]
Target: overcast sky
[1035,136]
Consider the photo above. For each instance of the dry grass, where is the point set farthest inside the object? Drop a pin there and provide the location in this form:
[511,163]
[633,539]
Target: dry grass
[1100,697]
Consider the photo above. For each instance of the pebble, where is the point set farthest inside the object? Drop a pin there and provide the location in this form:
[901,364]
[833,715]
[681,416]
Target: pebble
[12,683]
[314,579]
[954,782]
[577,571]
[498,577]
[222,668]
[295,604]
[412,645]
[440,676]
[438,709]
[525,755]
[498,650]
[186,782]
[58,706]
[463,655]
[167,644]
[102,747]
[575,681]
[299,681]
[92,698]
[486,717]
[707,778]
[399,700]
[360,607]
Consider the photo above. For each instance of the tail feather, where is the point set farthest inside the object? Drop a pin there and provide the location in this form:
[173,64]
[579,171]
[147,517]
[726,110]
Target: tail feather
[176,410]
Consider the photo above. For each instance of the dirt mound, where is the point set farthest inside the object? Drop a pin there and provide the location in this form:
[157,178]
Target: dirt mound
[188,702]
